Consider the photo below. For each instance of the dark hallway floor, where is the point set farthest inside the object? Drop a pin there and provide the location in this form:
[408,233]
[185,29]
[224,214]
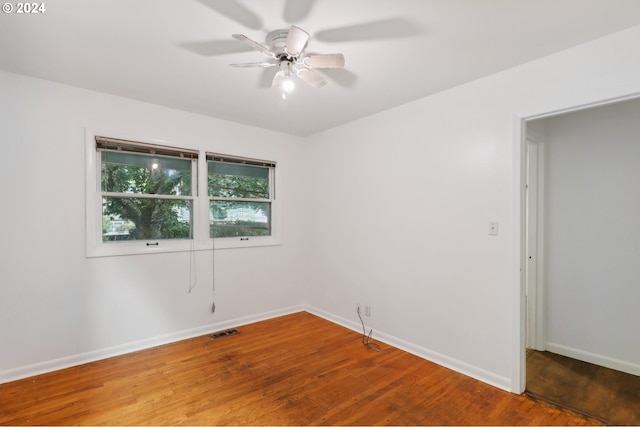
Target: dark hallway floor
[608,395]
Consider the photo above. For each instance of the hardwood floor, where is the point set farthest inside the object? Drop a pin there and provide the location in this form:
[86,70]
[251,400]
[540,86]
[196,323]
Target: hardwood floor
[293,370]
[612,396]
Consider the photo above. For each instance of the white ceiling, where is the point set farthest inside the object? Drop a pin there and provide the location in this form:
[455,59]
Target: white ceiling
[176,52]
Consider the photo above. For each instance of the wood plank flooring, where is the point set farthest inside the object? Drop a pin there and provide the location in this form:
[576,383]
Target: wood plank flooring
[293,370]
[612,396]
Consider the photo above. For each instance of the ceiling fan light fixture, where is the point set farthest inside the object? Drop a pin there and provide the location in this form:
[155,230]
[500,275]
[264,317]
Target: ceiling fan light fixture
[283,78]
[288,85]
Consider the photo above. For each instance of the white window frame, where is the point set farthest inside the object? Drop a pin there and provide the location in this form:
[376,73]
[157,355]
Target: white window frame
[239,242]
[95,247]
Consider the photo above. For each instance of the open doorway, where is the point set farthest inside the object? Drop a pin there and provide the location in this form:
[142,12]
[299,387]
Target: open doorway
[582,247]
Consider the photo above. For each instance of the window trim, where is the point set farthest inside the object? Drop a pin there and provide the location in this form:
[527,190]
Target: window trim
[95,247]
[270,165]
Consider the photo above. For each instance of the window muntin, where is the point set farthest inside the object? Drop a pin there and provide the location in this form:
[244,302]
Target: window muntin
[241,196]
[145,196]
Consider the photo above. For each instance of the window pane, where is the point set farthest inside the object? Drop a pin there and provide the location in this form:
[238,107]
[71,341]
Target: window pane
[237,219]
[145,174]
[131,218]
[242,181]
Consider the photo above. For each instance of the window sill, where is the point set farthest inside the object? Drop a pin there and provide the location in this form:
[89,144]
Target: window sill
[144,247]
[245,242]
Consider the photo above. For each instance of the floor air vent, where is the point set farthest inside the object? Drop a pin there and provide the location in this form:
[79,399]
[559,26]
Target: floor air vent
[225,333]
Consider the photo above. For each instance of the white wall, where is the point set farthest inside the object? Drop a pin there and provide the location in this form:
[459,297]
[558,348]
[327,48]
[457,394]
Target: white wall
[592,235]
[390,211]
[58,307]
[399,220]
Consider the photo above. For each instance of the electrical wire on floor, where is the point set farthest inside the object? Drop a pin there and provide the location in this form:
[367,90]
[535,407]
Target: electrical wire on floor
[366,339]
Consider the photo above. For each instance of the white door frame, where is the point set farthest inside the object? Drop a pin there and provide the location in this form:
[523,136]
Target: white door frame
[518,372]
[531,253]
[534,239]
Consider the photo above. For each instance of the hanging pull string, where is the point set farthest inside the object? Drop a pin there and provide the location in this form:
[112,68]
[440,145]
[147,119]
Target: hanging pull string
[367,338]
[193,272]
[213,271]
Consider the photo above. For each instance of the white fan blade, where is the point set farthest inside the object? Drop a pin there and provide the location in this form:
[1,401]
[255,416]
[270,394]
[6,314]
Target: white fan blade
[296,41]
[257,46]
[384,29]
[312,78]
[254,65]
[297,10]
[332,60]
[235,11]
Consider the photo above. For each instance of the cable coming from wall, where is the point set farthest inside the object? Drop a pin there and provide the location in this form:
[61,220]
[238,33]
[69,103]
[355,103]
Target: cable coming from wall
[366,339]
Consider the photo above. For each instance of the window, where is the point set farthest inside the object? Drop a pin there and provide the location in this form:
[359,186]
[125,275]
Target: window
[145,198]
[147,191]
[240,196]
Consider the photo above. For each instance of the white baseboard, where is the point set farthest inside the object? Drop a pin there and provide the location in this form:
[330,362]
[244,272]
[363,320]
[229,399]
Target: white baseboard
[480,374]
[596,359]
[92,356]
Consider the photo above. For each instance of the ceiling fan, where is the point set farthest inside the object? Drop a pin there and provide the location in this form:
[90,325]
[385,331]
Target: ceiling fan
[285,49]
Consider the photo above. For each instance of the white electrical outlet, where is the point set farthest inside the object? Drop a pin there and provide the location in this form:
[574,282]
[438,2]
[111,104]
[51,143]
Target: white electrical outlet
[367,311]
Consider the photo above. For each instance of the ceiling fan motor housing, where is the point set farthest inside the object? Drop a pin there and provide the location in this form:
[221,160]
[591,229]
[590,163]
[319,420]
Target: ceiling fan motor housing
[277,41]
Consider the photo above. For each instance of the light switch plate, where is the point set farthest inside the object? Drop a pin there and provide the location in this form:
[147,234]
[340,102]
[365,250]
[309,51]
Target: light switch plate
[493,228]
